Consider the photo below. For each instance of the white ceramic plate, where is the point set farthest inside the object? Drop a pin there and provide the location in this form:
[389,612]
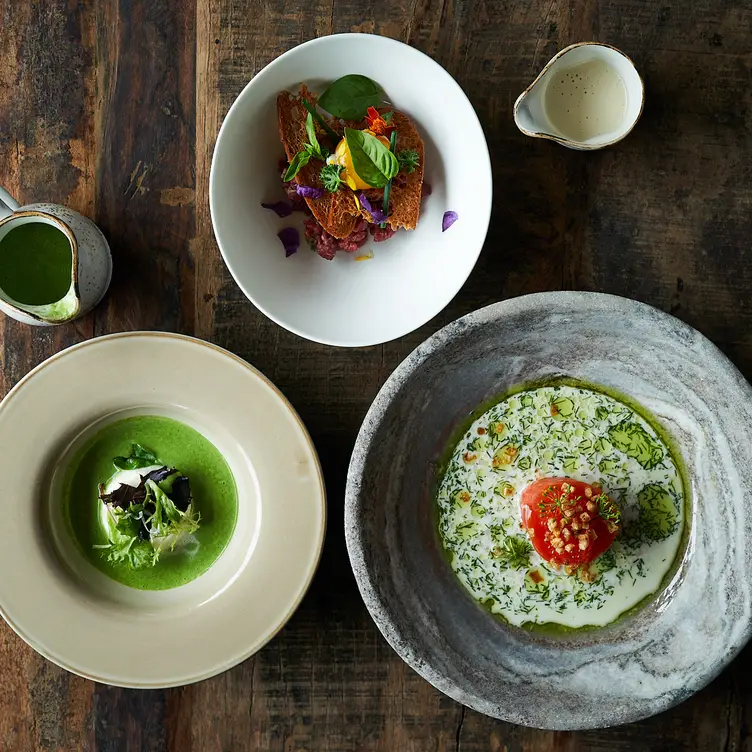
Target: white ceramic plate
[414,275]
[86,622]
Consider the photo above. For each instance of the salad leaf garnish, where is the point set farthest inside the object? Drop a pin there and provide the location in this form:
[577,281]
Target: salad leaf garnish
[139,457]
[330,177]
[312,150]
[127,545]
[350,97]
[133,529]
[408,159]
[373,162]
[167,520]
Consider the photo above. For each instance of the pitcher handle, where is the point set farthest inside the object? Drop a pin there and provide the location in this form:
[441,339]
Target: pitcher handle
[8,204]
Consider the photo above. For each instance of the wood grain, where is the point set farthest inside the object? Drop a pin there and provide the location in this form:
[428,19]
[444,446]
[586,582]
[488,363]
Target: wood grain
[113,107]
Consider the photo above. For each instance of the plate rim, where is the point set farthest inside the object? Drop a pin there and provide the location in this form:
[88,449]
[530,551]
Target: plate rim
[322,512]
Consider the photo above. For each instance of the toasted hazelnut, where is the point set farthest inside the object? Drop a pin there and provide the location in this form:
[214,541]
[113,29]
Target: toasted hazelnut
[566,533]
[588,492]
[585,517]
[469,457]
[576,525]
[551,523]
[611,526]
[591,507]
[584,542]
[569,548]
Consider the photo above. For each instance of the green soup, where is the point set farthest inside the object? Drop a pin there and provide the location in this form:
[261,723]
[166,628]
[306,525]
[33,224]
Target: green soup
[35,264]
[177,445]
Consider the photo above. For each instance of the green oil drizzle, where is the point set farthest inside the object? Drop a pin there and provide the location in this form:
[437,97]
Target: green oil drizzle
[35,264]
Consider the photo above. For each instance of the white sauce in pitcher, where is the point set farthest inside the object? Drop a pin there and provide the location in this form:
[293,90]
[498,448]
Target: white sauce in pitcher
[585,101]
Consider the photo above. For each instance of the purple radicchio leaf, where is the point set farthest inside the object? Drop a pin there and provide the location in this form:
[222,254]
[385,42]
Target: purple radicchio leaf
[377,215]
[280,208]
[448,220]
[308,191]
[290,238]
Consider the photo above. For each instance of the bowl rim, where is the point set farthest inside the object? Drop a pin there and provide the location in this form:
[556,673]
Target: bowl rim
[321,513]
[246,92]
[378,606]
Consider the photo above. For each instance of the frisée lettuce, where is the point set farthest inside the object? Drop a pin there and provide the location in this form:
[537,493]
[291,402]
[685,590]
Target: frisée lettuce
[147,509]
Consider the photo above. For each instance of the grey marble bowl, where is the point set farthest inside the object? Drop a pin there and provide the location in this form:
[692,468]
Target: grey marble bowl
[643,663]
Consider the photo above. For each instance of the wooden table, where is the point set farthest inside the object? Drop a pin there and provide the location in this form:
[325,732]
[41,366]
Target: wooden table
[113,107]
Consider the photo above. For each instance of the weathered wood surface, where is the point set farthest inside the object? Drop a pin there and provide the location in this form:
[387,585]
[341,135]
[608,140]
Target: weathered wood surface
[113,106]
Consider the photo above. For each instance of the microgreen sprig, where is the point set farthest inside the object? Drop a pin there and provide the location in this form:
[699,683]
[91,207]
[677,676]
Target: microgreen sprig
[312,150]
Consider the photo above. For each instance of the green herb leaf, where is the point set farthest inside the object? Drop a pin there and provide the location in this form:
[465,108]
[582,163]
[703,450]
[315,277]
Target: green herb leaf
[333,135]
[408,160]
[374,162]
[311,132]
[139,457]
[330,177]
[350,97]
[387,117]
[299,161]
[514,552]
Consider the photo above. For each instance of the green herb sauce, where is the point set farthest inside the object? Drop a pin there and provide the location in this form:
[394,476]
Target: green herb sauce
[35,264]
[176,445]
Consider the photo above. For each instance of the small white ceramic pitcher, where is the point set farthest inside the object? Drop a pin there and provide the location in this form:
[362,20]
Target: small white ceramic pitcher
[534,118]
[91,267]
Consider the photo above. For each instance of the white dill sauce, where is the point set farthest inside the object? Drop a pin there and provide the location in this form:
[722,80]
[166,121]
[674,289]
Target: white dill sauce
[585,101]
[559,431]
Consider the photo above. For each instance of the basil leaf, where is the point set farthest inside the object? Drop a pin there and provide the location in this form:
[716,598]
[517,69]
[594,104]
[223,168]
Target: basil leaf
[373,162]
[350,97]
[139,457]
[299,161]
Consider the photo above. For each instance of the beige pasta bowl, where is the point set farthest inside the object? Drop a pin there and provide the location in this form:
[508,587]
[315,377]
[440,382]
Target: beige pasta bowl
[71,611]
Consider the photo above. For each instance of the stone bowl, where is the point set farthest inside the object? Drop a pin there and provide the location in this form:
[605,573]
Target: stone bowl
[643,663]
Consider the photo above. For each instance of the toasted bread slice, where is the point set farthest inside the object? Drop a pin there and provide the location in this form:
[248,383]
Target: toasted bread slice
[335,212]
[404,201]
[338,212]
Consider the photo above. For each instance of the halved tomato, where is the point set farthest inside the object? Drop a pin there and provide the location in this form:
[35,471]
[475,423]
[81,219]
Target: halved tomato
[569,522]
